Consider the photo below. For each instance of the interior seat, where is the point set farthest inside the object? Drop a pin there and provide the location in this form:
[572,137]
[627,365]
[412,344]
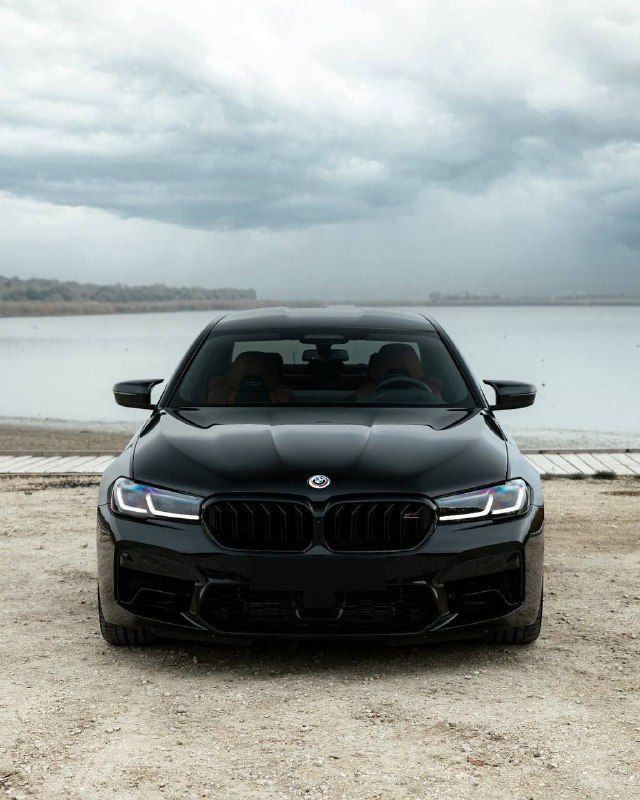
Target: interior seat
[395,358]
[254,378]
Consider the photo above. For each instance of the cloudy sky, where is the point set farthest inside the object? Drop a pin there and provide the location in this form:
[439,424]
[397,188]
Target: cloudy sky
[338,149]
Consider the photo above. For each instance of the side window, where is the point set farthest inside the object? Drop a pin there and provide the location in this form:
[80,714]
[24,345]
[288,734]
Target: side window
[211,362]
[439,368]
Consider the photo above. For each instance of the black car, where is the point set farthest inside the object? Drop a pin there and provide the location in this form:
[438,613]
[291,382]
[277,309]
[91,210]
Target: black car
[321,473]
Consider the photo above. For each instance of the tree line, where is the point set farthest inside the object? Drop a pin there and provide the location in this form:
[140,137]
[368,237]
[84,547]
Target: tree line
[53,291]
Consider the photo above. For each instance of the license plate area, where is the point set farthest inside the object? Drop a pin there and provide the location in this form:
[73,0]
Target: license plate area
[317,574]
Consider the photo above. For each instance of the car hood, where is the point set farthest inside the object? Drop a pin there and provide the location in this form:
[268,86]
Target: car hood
[431,451]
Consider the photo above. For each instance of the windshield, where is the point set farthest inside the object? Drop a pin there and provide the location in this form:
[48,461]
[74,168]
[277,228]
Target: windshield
[323,368]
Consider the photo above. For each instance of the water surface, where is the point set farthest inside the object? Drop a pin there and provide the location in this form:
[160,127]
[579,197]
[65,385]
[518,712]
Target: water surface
[584,360]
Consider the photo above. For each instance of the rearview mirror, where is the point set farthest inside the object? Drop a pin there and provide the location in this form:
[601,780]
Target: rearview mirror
[337,354]
[135,394]
[511,394]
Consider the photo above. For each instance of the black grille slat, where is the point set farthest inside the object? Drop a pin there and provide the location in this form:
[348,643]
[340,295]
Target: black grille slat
[235,527]
[260,524]
[377,525]
[299,522]
[267,522]
[386,527]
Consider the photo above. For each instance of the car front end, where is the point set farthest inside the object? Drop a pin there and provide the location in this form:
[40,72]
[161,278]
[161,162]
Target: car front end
[321,476]
[321,564]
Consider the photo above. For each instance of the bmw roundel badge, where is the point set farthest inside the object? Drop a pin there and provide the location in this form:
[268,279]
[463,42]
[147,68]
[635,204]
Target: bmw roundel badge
[319,481]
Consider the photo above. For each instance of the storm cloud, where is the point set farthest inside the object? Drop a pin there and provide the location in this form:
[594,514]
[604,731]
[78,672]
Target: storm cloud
[280,118]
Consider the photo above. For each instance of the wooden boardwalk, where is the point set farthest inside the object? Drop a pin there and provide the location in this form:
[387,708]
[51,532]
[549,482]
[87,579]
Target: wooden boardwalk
[547,462]
[54,465]
[586,462]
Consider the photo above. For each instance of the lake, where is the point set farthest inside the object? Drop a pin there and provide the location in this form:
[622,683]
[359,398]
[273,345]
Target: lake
[585,362]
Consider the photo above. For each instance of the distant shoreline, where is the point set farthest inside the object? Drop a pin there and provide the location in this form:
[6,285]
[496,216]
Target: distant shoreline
[87,308]
[90,308]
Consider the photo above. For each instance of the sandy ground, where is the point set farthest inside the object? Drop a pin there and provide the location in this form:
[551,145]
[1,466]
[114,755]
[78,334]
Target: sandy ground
[560,719]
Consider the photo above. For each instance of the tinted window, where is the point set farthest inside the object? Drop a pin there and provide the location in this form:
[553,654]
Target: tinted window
[308,367]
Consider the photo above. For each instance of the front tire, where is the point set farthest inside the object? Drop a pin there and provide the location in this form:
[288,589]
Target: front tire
[121,635]
[525,634]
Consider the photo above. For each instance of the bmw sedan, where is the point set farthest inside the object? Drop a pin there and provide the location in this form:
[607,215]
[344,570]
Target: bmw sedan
[321,474]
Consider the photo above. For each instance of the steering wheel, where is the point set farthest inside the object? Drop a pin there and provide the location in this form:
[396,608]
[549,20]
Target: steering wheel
[399,380]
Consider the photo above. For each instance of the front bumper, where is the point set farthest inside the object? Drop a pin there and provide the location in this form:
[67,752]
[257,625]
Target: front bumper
[463,582]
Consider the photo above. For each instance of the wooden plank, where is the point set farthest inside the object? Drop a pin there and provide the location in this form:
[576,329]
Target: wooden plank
[624,459]
[540,470]
[583,458]
[592,460]
[51,465]
[40,465]
[57,452]
[15,461]
[580,450]
[612,465]
[69,465]
[95,466]
[63,464]
[106,463]
[546,465]
[579,463]
[5,460]
[539,462]
[18,463]
[562,463]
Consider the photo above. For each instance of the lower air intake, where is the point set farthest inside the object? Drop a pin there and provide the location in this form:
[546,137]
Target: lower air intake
[400,609]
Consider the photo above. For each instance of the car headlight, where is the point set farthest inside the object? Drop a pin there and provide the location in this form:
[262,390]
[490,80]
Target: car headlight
[139,500]
[506,500]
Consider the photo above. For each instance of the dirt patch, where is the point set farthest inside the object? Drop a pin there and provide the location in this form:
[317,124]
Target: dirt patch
[44,483]
[556,720]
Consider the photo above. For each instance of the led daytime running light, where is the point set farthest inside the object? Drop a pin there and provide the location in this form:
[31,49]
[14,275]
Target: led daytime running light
[474,514]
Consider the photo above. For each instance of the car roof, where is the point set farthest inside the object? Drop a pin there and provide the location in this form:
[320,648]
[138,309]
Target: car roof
[319,318]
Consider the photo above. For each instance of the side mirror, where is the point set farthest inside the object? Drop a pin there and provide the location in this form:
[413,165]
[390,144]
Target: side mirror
[135,394]
[511,394]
